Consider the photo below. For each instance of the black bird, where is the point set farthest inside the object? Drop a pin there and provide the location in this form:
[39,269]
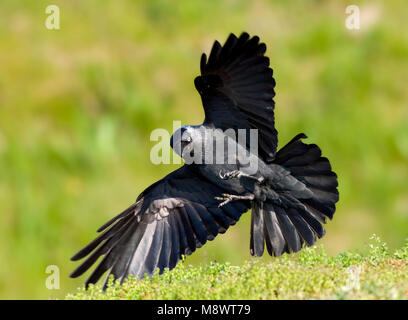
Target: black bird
[291,192]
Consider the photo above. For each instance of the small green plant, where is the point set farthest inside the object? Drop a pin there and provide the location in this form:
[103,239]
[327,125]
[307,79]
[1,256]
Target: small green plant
[403,252]
[378,249]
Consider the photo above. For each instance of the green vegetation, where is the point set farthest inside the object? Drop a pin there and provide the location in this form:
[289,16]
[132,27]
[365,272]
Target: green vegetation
[77,106]
[311,274]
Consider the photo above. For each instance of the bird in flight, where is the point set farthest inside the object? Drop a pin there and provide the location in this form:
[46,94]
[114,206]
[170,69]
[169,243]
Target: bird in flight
[291,192]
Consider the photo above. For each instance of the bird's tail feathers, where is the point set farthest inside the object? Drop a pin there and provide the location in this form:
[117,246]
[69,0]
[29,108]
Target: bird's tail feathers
[296,222]
[305,163]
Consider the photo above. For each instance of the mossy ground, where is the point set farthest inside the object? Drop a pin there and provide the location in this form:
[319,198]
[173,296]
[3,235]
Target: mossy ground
[310,274]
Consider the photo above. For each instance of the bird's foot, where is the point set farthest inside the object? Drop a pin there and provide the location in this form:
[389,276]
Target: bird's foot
[237,174]
[227,198]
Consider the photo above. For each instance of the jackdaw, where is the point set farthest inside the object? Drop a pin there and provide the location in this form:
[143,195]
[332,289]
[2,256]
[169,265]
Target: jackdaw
[290,193]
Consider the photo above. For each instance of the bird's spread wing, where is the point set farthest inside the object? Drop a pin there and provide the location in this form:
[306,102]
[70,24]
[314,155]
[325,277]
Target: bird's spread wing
[171,218]
[237,90]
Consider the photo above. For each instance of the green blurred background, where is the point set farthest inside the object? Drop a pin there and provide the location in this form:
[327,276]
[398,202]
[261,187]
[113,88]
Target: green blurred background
[77,106]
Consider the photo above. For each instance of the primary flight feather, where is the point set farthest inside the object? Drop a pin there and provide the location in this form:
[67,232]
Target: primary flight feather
[291,193]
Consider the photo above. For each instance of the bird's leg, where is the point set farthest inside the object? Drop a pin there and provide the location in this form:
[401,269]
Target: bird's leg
[238,174]
[226,198]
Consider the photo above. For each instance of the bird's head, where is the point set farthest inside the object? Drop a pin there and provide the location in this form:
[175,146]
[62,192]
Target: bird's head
[207,83]
[181,139]
[188,142]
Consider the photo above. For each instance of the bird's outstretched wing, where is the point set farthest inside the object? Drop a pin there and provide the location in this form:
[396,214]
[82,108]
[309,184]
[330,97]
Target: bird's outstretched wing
[171,218]
[237,90]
